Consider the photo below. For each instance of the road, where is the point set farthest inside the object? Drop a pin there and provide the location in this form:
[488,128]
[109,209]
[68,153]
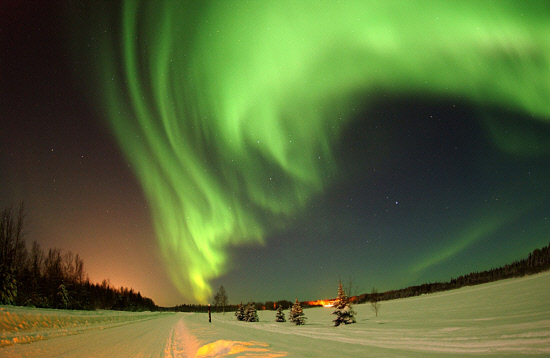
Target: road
[165,336]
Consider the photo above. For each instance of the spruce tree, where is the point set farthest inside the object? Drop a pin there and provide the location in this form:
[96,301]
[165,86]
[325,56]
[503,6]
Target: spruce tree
[8,285]
[63,294]
[250,314]
[280,317]
[297,314]
[344,313]
[240,312]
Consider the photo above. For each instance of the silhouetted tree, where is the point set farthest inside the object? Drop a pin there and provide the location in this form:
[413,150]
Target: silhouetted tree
[8,285]
[351,289]
[220,299]
[375,300]
[63,296]
[12,252]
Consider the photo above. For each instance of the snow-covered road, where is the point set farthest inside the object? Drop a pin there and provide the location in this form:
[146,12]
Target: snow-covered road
[27,332]
[140,338]
[509,317]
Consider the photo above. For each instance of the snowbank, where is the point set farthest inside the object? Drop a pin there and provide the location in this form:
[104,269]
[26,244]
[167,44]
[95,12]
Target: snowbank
[25,325]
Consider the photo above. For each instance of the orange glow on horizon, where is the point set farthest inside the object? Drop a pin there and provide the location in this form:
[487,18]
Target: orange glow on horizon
[324,303]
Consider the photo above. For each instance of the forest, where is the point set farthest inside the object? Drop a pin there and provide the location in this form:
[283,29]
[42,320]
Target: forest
[53,279]
[537,261]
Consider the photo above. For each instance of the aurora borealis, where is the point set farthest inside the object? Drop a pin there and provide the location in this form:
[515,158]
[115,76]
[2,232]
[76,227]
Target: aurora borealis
[395,142]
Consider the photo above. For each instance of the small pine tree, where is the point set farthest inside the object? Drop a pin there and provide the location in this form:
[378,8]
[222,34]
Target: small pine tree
[63,294]
[375,301]
[250,314]
[8,285]
[297,314]
[344,313]
[240,312]
[280,317]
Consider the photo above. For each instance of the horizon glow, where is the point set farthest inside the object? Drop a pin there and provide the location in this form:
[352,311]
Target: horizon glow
[229,112]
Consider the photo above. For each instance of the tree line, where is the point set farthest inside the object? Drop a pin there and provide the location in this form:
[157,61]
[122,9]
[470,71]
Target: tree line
[53,279]
[268,305]
[537,261]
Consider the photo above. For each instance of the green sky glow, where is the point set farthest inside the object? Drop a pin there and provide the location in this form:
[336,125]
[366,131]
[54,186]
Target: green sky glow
[229,113]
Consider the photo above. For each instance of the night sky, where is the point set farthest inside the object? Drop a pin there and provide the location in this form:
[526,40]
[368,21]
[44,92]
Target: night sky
[274,147]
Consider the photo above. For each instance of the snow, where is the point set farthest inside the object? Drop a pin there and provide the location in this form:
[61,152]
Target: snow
[509,317]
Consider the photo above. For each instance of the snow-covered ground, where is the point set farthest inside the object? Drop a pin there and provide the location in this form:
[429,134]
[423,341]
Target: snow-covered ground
[510,317]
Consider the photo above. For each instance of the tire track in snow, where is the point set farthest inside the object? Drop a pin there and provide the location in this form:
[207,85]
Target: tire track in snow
[181,342]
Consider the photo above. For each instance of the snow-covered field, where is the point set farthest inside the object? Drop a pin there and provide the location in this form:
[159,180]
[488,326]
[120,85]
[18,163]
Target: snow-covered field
[510,317]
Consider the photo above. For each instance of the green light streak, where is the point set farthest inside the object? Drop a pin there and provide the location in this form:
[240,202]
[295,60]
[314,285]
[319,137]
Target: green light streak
[479,226]
[229,113]
[460,242]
